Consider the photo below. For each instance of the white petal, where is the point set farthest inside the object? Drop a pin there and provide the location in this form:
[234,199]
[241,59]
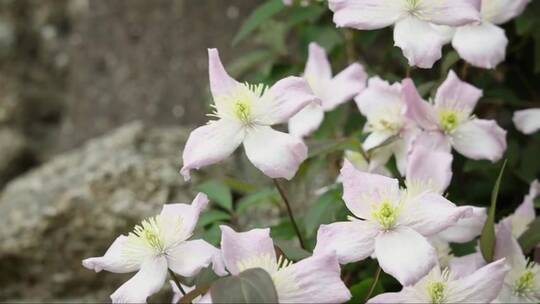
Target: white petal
[465,265]
[380,98]
[187,215]
[466,229]
[376,139]
[527,121]
[276,154]
[344,86]
[112,260]
[145,283]
[220,82]
[365,14]
[455,94]
[501,11]
[429,168]
[317,66]
[480,139]
[482,45]
[405,254]
[454,13]
[189,257]
[306,121]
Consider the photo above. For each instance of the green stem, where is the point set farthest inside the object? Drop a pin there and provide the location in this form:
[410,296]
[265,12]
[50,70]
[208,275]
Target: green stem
[177,282]
[289,211]
[375,281]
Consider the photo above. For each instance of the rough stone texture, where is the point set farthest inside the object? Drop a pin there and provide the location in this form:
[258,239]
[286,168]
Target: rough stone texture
[75,205]
[15,154]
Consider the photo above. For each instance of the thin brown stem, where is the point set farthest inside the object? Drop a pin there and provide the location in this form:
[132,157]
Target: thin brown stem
[408,72]
[177,282]
[289,211]
[349,46]
[375,281]
[464,71]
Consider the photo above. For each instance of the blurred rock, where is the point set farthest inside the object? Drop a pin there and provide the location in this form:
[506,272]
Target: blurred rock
[15,155]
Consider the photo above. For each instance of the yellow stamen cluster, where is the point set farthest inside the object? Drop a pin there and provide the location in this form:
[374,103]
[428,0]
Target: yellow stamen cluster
[436,292]
[149,233]
[449,120]
[240,102]
[386,214]
[266,262]
[525,283]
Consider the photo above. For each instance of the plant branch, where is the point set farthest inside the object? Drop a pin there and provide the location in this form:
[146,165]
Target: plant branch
[375,281]
[289,211]
[177,282]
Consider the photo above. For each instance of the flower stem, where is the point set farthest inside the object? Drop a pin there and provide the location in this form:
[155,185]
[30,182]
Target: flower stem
[289,211]
[177,282]
[375,281]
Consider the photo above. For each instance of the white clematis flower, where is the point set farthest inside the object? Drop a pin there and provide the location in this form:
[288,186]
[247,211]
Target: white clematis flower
[527,121]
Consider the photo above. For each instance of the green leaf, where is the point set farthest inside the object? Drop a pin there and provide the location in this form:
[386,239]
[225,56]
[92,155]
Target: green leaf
[217,192]
[487,239]
[212,216]
[322,212]
[251,286]
[426,87]
[301,14]
[448,61]
[537,202]
[291,251]
[360,290]
[257,17]
[530,238]
[250,200]
[206,277]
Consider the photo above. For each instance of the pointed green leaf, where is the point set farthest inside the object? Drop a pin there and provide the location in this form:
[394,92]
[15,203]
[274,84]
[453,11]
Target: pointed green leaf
[360,290]
[251,286]
[291,252]
[530,238]
[217,192]
[257,17]
[213,216]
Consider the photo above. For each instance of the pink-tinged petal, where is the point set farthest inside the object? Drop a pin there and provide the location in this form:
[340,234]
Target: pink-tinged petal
[189,215]
[220,81]
[379,97]
[453,13]
[480,139]
[417,109]
[423,52]
[434,140]
[457,95]
[507,247]
[482,286]
[430,168]
[306,121]
[525,214]
[313,280]
[276,154]
[189,257]
[351,241]
[405,254]
[365,14]
[284,99]
[145,283]
[361,189]
[402,146]
[344,86]
[467,228]
[466,265]
[317,66]
[379,158]
[210,144]
[527,121]
[238,247]
[502,11]
[482,45]
[112,260]
[376,139]
[429,213]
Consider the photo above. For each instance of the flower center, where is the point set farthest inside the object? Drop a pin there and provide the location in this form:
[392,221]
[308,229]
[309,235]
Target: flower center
[436,292]
[449,120]
[386,214]
[525,283]
[149,232]
[266,262]
[242,110]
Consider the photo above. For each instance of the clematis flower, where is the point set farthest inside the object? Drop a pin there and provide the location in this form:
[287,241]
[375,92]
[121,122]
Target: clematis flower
[417,23]
[438,286]
[331,91]
[244,114]
[390,222]
[156,245]
[519,221]
[484,44]
[451,118]
[383,106]
[527,121]
[314,279]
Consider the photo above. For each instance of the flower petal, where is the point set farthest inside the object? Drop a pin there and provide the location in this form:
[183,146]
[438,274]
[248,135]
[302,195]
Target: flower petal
[189,257]
[467,228]
[419,52]
[405,254]
[344,86]
[525,214]
[378,98]
[453,13]
[189,215]
[417,109]
[306,121]
[457,95]
[480,139]
[313,280]
[210,144]
[317,66]
[465,265]
[527,121]
[434,140]
[284,99]
[112,260]
[404,296]
[376,139]
[361,189]
[144,283]
[276,154]
[502,11]
[482,45]
[429,168]
[507,247]
[220,81]
[482,286]
[238,247]
[365,14]
[351,241]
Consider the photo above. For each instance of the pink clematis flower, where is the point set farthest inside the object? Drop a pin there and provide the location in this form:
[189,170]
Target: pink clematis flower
[244,114]
[156,245]
[519,221]
[393,224]
[331,91]
[383,106]
[417,28]
[313,280]
[527,121]
[484,44]
[438,286]
[450,119]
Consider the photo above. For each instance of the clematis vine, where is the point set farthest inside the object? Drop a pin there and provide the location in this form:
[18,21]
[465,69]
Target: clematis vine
[156,245]
[390,222]
[484,44]
[417,23]
[450,119]
[245,114]
[313,280]
[482,286]
[527,121]
[331,91]
[390,131]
